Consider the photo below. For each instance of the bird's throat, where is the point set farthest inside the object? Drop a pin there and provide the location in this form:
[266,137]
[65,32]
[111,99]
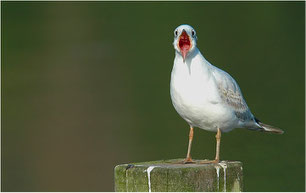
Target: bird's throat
[184,44]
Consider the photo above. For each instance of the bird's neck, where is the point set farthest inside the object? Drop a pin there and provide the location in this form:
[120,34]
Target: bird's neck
[193,59]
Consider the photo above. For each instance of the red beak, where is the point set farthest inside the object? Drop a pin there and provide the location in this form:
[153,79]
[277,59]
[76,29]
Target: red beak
[184,44]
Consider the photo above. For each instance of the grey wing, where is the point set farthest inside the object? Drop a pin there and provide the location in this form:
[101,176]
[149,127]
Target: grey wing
[231,95]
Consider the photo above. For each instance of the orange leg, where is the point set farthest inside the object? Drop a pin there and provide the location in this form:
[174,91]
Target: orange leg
[218,139]
[188,158]
[217,158]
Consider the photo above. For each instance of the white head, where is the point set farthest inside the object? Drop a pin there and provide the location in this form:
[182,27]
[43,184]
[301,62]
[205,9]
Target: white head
[184,40]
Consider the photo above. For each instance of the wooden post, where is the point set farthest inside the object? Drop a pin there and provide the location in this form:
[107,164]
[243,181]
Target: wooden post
[171,176]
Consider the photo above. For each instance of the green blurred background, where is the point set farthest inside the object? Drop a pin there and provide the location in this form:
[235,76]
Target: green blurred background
[85,86]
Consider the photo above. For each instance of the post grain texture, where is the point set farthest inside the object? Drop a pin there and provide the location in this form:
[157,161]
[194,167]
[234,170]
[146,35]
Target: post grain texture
[171,176]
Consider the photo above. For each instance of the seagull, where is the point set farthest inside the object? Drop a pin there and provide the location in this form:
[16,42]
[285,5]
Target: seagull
[206,96]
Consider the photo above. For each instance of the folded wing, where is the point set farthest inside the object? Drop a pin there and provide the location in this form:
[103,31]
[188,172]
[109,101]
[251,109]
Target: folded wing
[231,95]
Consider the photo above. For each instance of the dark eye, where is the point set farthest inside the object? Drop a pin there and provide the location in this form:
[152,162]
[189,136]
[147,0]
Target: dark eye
[192,32]
[175,32]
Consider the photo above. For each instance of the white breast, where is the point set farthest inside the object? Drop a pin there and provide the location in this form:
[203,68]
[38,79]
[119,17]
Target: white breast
[195,95]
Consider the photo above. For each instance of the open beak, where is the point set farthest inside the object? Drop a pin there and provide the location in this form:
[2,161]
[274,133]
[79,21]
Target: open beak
[184,44]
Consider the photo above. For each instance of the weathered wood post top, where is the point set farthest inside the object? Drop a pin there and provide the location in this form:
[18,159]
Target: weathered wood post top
[172,176]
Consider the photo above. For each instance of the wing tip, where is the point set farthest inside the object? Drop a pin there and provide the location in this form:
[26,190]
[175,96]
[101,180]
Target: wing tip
[269,128]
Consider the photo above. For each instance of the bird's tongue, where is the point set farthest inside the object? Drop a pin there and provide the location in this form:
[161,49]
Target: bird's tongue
[184,44]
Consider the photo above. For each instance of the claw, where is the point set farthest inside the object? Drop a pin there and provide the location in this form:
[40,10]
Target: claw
[188,161]
[209,162]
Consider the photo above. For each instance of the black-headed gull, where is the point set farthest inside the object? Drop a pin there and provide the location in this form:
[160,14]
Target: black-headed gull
[206,96]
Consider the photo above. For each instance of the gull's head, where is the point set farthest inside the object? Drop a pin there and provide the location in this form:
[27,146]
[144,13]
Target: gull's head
[185,40]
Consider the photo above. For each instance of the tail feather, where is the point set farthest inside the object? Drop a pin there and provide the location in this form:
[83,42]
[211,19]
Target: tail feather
[268,128]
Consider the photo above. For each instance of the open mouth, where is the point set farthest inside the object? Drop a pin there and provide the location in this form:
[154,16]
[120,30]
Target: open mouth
[184,43]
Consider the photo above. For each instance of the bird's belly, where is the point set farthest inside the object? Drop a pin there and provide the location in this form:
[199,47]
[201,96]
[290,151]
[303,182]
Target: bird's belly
[199,104]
